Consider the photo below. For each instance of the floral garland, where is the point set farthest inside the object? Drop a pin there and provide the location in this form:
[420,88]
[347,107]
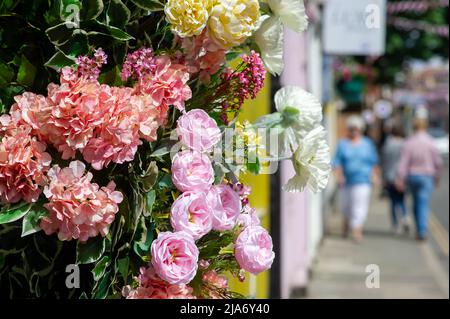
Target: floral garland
[138,174]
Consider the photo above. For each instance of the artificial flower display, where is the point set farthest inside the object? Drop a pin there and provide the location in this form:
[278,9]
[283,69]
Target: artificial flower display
[129,163]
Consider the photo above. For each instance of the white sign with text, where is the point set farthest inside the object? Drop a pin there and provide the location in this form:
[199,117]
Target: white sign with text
[354,27]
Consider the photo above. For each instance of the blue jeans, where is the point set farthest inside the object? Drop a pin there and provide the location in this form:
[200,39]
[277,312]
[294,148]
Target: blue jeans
[398,206]
[421,187]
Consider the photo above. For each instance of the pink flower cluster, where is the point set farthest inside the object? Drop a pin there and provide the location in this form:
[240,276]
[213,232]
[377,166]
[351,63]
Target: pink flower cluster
[78,209]
[192,172]
[106,124]
[153,287]
[23,162]
[244,83]
[138,64]
[203,56]
[166,83]
[91,67]
[200,208]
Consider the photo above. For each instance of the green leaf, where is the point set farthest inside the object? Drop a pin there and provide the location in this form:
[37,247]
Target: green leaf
[151,5]
[254,168]
[100,28]
[164,147]
[91,9]
[59,60]
[61,33]
[77,45]
[10,214]
[118,14]
[83,295]
[30,223]
[102,290]
[165,181]
[150,198]
[231,56]
[91,251]
[149,177]
[100,268]
[124,265]
[2,260]
[144,238]
[219,173]
[27,72]
[6,75]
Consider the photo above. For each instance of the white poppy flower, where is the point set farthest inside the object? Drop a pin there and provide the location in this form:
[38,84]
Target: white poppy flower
[311,163]
[309,109]
[291,12]
[269,38]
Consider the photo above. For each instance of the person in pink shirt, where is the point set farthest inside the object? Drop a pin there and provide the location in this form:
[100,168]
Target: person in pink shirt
[418,170]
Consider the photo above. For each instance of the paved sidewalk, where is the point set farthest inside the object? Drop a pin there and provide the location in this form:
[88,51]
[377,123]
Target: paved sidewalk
[408,269]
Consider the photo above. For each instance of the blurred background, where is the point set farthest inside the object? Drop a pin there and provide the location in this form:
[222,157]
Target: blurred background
[385,61]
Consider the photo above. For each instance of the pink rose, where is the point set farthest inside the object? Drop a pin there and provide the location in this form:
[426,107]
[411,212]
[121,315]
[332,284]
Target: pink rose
[192,171]
[226,207]
[192,214]
[198,131]
[175,257]
[253,249]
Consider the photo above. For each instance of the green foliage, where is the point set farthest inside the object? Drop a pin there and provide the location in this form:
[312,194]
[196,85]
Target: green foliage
[53,33]
[402,46]
[91,251]
[11,213]
[37,39]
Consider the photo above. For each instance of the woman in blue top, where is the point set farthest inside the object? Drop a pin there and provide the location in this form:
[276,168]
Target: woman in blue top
[355,165]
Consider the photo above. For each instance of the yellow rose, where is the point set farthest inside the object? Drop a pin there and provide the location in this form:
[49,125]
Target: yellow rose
[187,17]
[232,21]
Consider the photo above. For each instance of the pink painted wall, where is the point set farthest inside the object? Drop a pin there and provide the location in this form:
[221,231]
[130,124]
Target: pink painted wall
[294,253]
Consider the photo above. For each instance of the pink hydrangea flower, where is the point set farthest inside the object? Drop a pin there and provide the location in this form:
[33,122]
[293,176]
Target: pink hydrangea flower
[175,257]
[167,84]
[106,124]
[191,213]
[192,171]
[153,287]
[78,209]
[198,131]
[23,163]
[226,206]
[203,56]
[254,249]
[33,110]
[130,117]
[76,112]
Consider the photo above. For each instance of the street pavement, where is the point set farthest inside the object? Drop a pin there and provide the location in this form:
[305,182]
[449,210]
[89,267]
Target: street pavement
[439,219]
[402,266]
[440,201]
